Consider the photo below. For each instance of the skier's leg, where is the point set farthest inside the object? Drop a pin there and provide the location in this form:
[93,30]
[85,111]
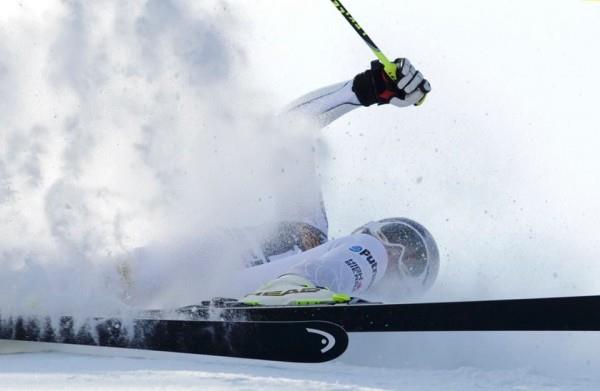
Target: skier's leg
[349,265]
[291,237]
[352,265]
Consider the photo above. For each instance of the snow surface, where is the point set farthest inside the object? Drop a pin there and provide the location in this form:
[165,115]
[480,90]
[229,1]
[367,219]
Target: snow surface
[158,371]
[127,123]
[411,361]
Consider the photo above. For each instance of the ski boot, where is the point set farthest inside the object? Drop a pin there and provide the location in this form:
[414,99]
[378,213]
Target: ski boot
[291,289]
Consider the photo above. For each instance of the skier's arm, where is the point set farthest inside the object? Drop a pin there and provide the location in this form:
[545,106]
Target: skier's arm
[326,104]
[371,86]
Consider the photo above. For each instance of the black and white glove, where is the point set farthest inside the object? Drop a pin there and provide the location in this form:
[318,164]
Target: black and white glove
[375,86]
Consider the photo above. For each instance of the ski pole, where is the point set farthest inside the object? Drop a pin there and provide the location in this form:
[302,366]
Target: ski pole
[388,66]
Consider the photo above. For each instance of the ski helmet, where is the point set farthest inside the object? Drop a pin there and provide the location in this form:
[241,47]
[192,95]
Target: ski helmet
[411,249]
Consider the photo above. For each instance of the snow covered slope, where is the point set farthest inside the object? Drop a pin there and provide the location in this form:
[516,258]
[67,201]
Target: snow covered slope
[409,361]
[129,371]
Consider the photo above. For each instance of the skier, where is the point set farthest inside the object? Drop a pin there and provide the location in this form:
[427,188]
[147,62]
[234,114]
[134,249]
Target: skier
[292,261]
[298,266]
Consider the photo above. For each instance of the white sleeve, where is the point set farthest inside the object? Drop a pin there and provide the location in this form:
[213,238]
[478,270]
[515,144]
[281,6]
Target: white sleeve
[326,104]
